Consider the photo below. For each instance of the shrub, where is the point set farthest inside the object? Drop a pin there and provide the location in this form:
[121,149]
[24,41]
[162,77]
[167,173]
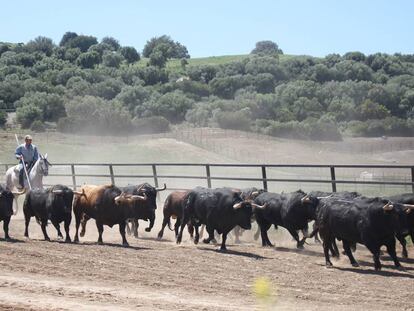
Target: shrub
[237,120]
[38,126]
[3,118]
[151,125]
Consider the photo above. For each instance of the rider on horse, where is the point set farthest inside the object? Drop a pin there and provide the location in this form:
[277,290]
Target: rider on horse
[27,155]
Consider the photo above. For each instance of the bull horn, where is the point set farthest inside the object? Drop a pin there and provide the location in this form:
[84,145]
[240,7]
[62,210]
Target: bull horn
[237,205]
[254,205]
[117,198]
[409,206]
[305,199]
[140,187]
[79,192]
[57,191]
[254,193]
[327,197]
[388,207]
[138,197]
[19,192]
[161,189]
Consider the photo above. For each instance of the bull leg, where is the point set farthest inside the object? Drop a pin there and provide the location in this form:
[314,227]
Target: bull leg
[348,252]
[26,223]
[135,226]
[128,229]
[43,225]
[77,224]
[67,224]
[100,231]
[257,234]
[190,229]
[265,238]
[237,234]
[197,234]
[57,226]
[164,224]
[122,226]
[295,235]
[375,250]
[334,249]
[84,221]
[326,244]
[6,222]
[403,243]
[223,241]
[391,251]
[210,232]
[184,222]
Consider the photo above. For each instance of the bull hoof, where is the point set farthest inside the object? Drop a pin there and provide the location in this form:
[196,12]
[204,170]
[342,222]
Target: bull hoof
[82,234]
[100,242]
[7,239]
[405,254]
[223,249]
[76,240]
[147,230]
[206,241]
[125,244]
[355,264]
[68,240]
[328,264]
[47,239]
[378,268]
[214,241]
[400,268]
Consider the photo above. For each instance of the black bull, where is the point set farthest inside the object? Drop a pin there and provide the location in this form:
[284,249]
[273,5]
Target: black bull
[219,209]
[54,204]
[369,221]
[289,210]
[6,208]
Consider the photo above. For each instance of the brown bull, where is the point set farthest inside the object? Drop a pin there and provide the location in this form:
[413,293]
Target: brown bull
[173,208]
[108,205]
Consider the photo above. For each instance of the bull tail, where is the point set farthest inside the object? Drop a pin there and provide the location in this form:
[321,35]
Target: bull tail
[169,224]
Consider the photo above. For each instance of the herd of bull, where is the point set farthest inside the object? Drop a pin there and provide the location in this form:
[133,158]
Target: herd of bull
[345,216]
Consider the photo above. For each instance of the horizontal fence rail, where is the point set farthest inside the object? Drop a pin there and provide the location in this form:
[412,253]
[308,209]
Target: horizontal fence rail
[329,173]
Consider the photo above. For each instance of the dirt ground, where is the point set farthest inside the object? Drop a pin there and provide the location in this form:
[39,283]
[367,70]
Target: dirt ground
[160,275]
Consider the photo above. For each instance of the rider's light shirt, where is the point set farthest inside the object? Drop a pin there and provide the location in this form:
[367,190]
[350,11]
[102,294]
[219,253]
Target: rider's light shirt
[29,153]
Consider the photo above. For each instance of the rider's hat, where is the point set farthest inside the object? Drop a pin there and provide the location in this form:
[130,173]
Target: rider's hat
[28,137]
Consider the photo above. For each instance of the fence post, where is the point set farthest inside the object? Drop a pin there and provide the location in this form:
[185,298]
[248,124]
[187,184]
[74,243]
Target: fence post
[154,173]
[412,178]
[333,178]
[72,168]
[111,172]
[208,176]
[264,177]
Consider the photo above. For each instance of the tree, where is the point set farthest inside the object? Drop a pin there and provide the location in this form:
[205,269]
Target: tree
[88,59]
[157,59]
[82,42]
[267,47]
[133,96]
[3,118]
[26,114]
[41,44]
[130,54]
[67,37]
[112,42]
[174,49]
[112,59]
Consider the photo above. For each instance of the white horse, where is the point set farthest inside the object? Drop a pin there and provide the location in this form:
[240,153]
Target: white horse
[39,169]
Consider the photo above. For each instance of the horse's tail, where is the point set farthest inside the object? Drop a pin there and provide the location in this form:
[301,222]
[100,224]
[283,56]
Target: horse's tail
[10,186]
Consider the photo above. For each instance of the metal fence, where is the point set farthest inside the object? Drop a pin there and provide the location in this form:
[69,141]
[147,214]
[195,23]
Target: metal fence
[121,172]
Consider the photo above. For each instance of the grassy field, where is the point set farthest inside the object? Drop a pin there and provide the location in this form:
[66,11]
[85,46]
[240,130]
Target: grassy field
[174,65]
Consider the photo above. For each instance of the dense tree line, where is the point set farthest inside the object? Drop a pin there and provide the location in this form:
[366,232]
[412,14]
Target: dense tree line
[83,85]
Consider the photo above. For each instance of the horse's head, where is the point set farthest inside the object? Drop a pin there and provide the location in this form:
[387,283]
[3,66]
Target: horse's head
[44,164]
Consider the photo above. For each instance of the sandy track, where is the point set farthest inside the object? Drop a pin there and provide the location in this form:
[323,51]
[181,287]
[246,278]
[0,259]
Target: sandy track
[160,275]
